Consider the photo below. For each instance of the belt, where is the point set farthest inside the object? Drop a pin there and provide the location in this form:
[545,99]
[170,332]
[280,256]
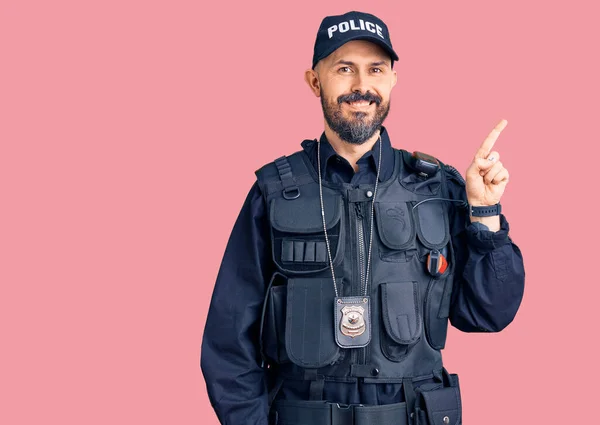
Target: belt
[300,412]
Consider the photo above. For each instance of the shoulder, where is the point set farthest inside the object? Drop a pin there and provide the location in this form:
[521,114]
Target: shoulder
[271,170]
[453,175]
[450,173]
[281,170]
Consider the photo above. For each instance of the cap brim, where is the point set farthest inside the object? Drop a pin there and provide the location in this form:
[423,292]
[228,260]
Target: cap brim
[372,38]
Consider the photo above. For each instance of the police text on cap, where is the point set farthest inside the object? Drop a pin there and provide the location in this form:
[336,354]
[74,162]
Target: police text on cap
[350,25]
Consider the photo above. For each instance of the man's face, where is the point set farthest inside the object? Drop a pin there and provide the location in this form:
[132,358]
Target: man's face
[356,81]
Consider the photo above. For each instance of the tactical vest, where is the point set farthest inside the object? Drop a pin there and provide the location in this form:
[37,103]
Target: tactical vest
[409,305]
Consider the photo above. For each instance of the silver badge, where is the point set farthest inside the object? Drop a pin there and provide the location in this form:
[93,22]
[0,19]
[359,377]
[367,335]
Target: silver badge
[353,321]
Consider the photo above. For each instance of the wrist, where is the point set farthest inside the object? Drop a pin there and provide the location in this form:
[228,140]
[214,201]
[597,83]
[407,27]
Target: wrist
[485,210]
[492,223]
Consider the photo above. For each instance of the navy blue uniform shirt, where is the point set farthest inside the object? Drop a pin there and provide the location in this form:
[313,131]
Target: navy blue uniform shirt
[489,282]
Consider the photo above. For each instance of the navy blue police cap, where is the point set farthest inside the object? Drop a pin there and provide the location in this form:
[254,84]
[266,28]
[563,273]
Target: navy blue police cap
[340,29]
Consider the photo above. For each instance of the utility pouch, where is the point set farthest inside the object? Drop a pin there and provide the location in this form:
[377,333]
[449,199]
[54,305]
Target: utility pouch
[309,327]
[433,233]
[440,406]
[401,317]
[433,228]
[396,231]
[297,237]
[272,331]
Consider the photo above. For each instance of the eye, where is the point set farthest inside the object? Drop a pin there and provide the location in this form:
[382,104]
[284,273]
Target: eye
[377,70]
[345,69]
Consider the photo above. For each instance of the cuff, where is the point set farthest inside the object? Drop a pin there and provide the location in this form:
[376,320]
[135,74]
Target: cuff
[480,237]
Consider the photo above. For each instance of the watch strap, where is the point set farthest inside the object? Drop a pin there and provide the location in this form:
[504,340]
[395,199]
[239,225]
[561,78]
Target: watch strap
[488,211]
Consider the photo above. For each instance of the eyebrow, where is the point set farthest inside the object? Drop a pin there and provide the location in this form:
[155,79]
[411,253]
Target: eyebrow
[345,62]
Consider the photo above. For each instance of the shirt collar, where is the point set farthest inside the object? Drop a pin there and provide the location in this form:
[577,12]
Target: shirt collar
[327,152]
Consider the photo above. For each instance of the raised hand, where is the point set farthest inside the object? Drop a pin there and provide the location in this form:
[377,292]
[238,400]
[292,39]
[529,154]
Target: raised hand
[486,177]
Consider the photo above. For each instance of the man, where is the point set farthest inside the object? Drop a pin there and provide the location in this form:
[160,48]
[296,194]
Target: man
[348,259]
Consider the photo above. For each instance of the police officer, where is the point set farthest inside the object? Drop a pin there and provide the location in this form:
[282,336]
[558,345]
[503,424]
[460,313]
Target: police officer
[348,259]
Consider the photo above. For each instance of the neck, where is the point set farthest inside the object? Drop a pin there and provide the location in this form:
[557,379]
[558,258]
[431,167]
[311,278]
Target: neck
[349,151]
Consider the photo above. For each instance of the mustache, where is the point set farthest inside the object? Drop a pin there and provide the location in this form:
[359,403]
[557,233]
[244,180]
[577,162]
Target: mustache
[354,97]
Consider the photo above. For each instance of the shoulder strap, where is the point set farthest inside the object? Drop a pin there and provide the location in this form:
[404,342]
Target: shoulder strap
[445,192]
[286,174]
[290,188]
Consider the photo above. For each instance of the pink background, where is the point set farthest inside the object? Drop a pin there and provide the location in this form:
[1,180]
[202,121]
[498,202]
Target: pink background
[130,131]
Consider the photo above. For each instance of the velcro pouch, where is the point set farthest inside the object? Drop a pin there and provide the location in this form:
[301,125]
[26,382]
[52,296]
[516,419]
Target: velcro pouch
[439,296]
[401,316]
[396,231]
[400,310]
[309,328]
[440,406]
[433,228]
[273,320]
[298,240]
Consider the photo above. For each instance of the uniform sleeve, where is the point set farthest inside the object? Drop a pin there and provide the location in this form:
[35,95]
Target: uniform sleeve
[230,358]
[489,276]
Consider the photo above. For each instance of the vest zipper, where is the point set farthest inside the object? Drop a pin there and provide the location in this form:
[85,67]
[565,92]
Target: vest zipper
[361,244]
[361,265]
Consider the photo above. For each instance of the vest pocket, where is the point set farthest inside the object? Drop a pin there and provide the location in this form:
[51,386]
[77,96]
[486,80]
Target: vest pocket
[396,231]
[432,224]
[401,317]
[440,406]
[309,324]
[273,326]
[298,241]
[437,305]
[437,309]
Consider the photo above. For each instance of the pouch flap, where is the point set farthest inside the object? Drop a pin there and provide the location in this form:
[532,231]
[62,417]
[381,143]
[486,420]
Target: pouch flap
[309,328]
[394,224]
[303,215]
[443,406]
[432,224]
[400,311]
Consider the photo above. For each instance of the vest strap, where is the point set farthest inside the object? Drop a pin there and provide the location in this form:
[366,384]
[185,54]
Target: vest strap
[290,188]
[301,412]
[273,391]
[316,389]
[410,397]
[285,174]
[317,384]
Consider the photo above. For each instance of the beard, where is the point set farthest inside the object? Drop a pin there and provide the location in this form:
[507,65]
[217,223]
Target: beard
[359,127]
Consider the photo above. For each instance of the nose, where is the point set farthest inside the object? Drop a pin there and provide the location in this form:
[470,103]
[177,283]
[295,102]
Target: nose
[360,83]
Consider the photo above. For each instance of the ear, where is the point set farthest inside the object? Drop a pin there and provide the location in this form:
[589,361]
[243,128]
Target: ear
[312,79]
[394,78]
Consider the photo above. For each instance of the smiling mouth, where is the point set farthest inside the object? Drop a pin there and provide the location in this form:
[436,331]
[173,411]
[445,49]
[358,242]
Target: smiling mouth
[360,104]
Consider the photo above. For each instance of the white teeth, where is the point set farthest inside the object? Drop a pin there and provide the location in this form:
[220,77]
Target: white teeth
[360,103]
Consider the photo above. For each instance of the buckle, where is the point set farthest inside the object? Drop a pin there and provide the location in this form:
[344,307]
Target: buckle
[342,414]
[291,192]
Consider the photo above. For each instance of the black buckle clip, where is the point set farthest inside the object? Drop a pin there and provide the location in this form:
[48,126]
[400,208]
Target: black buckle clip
[342,414]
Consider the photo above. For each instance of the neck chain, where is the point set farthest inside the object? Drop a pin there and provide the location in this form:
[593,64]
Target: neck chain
[371,225]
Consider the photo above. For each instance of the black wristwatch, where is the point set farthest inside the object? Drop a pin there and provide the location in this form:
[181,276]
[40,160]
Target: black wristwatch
[485,211]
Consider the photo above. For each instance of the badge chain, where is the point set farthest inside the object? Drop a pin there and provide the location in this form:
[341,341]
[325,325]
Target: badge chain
[325,227]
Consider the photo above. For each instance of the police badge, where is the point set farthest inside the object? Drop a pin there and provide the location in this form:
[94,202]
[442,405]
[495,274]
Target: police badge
[353,321]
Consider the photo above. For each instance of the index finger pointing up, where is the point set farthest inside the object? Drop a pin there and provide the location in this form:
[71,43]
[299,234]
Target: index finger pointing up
[489,141]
